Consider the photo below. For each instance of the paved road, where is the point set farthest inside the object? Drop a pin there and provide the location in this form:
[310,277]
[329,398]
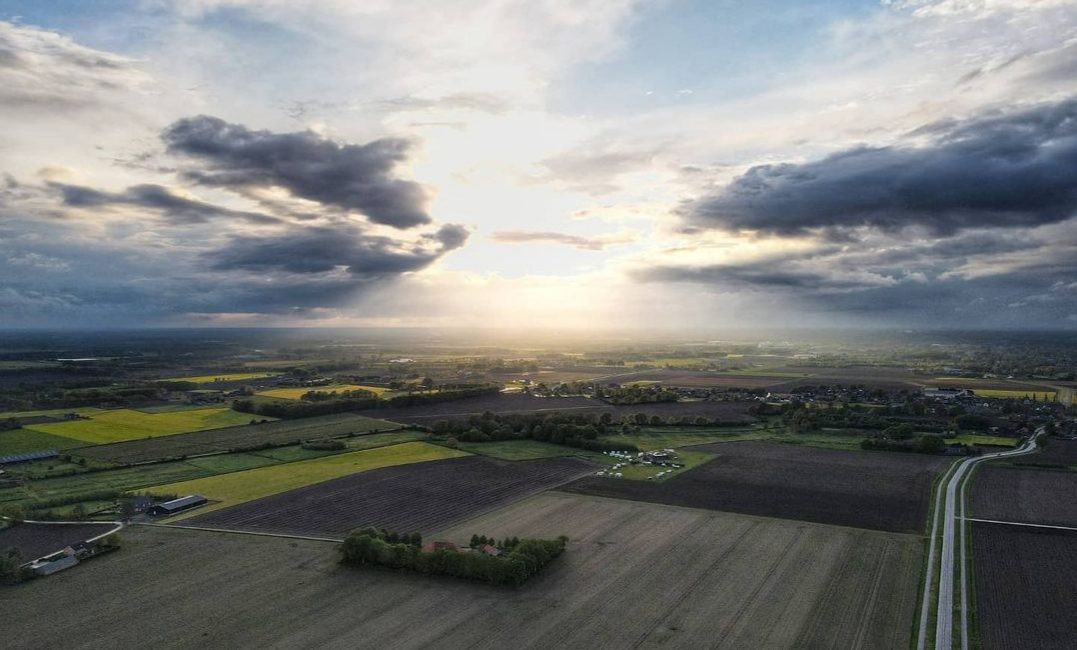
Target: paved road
[951,497]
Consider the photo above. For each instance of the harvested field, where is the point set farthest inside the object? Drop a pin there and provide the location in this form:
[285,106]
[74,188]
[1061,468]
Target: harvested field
[880,490]
[423,497]
[127,424]
[38,540]
[1027,495]
[624,581]
[240,487]
[1026,583]
[1057,452]
[517,403]
[240,437]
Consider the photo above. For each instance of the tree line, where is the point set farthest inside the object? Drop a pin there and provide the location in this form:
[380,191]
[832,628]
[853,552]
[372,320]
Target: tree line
[569,429]
[353,401]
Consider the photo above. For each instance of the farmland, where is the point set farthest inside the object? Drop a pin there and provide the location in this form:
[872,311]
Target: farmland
[1028,495]
[524,450]
[68,485]
[987,441]
[623,581]
[19,441]
[239,487]
[880,490]
[1026,581]
[228,377]
[428,413]
[239,437]
[127,424]
[421,497]
[299,392]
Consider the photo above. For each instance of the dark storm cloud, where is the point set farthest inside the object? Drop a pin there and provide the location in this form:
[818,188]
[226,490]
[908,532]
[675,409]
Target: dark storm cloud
[345,176]
[314,250]
[1012,170]
[176,208]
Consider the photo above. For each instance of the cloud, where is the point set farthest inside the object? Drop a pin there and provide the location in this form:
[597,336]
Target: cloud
[39,68]
[322,250]
[1010,170]
[172,205]
[560,238]
[350,177]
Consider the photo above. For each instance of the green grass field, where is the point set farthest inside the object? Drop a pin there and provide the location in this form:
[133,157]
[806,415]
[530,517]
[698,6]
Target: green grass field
[991,441]
[239,487]
[297,393]
[127,424]
[235,376]
[650,472]
[21,441]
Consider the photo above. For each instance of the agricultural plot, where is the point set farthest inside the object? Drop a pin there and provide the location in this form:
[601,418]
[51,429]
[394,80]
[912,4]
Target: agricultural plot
[421,497]
[879,490]
[126,424]
[517,403]
[240,437]
[633,575]
[298,393]
[1025,495]
[38,540]
[239,487]
[1026,582]
[1057,452]
[524,450]
[20,441]
[212,379]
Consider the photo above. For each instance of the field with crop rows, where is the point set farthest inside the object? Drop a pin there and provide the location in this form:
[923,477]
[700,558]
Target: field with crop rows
[128,424]
[633,575]
[880,490]
[1026,584]
[239,487]
[239,437]
[422,497]
[1025,494]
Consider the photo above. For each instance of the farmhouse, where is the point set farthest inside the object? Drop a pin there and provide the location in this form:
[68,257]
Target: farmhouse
[178,505]
[431,547]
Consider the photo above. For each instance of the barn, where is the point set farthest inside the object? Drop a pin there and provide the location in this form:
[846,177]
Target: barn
[178,505]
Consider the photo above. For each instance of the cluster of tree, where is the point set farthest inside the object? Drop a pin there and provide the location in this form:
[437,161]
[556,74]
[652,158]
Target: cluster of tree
[326,395]
[507,544]
[572,430]
[512,567]
[637,394]
[10,563]
[921,444]
[9,424]
[294,409]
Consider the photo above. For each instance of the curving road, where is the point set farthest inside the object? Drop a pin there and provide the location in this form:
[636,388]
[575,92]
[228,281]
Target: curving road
[951,497]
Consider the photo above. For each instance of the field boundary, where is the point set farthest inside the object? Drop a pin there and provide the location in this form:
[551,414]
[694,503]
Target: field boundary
[240,532]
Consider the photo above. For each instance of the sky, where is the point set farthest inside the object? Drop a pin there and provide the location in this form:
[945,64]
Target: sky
[555,164]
